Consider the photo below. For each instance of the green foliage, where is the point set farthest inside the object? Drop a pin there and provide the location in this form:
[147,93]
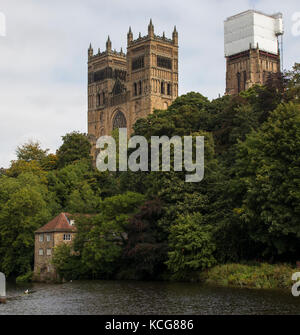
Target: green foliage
[259,275]
[269,167]
[26,278]
[292,92]
[146,247]
[75,147]
[191,245]
[31,151]
[68,264]
[105,240]
[24,208]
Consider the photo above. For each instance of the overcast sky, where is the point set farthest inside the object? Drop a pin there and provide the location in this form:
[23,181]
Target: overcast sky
[43,70]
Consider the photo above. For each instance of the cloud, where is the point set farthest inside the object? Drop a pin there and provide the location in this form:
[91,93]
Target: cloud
[43,79]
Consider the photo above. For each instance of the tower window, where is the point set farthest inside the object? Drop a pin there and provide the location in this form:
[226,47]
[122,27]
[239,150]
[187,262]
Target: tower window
[103,98]
[135,89]
[164,62]
[140,87]
[137,63]
[245,79]
[169,91]
[98,99]
[239,82]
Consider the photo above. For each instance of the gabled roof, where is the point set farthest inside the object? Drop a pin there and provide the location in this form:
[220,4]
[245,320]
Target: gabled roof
[61,223]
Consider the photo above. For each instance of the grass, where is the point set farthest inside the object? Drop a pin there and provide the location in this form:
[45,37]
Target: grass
[260,275]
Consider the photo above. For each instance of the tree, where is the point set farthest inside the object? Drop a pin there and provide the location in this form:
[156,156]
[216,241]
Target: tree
[293,84]
[146,248]
[68,264]
[105,241]
[25,205]
[75,180]
[269,168]
[76,146]
[83,200]
[191,246]
[31,151]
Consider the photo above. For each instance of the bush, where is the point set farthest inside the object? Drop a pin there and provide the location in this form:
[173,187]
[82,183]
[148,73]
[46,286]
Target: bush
[252,276]
[26,278]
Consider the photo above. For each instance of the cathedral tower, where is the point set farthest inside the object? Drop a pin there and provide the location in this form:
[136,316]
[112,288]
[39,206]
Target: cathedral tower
[251,49]
[125,87]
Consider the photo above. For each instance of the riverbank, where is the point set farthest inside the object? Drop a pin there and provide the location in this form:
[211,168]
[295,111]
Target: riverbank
[258,275]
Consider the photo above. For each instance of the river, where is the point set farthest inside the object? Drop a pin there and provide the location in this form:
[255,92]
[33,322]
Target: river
[128,297]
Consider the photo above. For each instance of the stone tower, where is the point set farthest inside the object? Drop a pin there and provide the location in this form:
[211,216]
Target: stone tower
[251,49]
[125,87]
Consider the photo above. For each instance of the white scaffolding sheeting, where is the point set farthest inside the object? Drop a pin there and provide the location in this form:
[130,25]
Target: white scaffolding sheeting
[252,28]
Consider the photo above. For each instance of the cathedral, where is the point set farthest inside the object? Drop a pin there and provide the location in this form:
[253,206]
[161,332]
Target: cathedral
[125,87]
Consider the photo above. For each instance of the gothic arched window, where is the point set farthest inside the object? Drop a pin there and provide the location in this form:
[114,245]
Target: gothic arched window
[119,120]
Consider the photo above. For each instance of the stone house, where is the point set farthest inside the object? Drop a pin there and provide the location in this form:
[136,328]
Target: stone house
[59,230]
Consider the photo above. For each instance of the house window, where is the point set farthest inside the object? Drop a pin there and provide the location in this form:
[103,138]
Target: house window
[41,252]
[140,87]
[98,99]
[41,238]
[67,237]
[48,236]
[162,88]
[48,268]
[49,252]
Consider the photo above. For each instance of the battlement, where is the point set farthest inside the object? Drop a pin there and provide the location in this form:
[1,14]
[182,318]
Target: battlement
[151,36]
[106,53]
[162,38]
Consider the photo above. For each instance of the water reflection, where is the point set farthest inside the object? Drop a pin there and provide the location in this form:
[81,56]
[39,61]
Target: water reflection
[121,297]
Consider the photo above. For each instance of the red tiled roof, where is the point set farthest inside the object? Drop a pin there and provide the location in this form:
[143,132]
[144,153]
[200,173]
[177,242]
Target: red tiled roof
[59,223]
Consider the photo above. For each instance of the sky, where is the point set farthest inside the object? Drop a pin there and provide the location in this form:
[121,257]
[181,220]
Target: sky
[43,57]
